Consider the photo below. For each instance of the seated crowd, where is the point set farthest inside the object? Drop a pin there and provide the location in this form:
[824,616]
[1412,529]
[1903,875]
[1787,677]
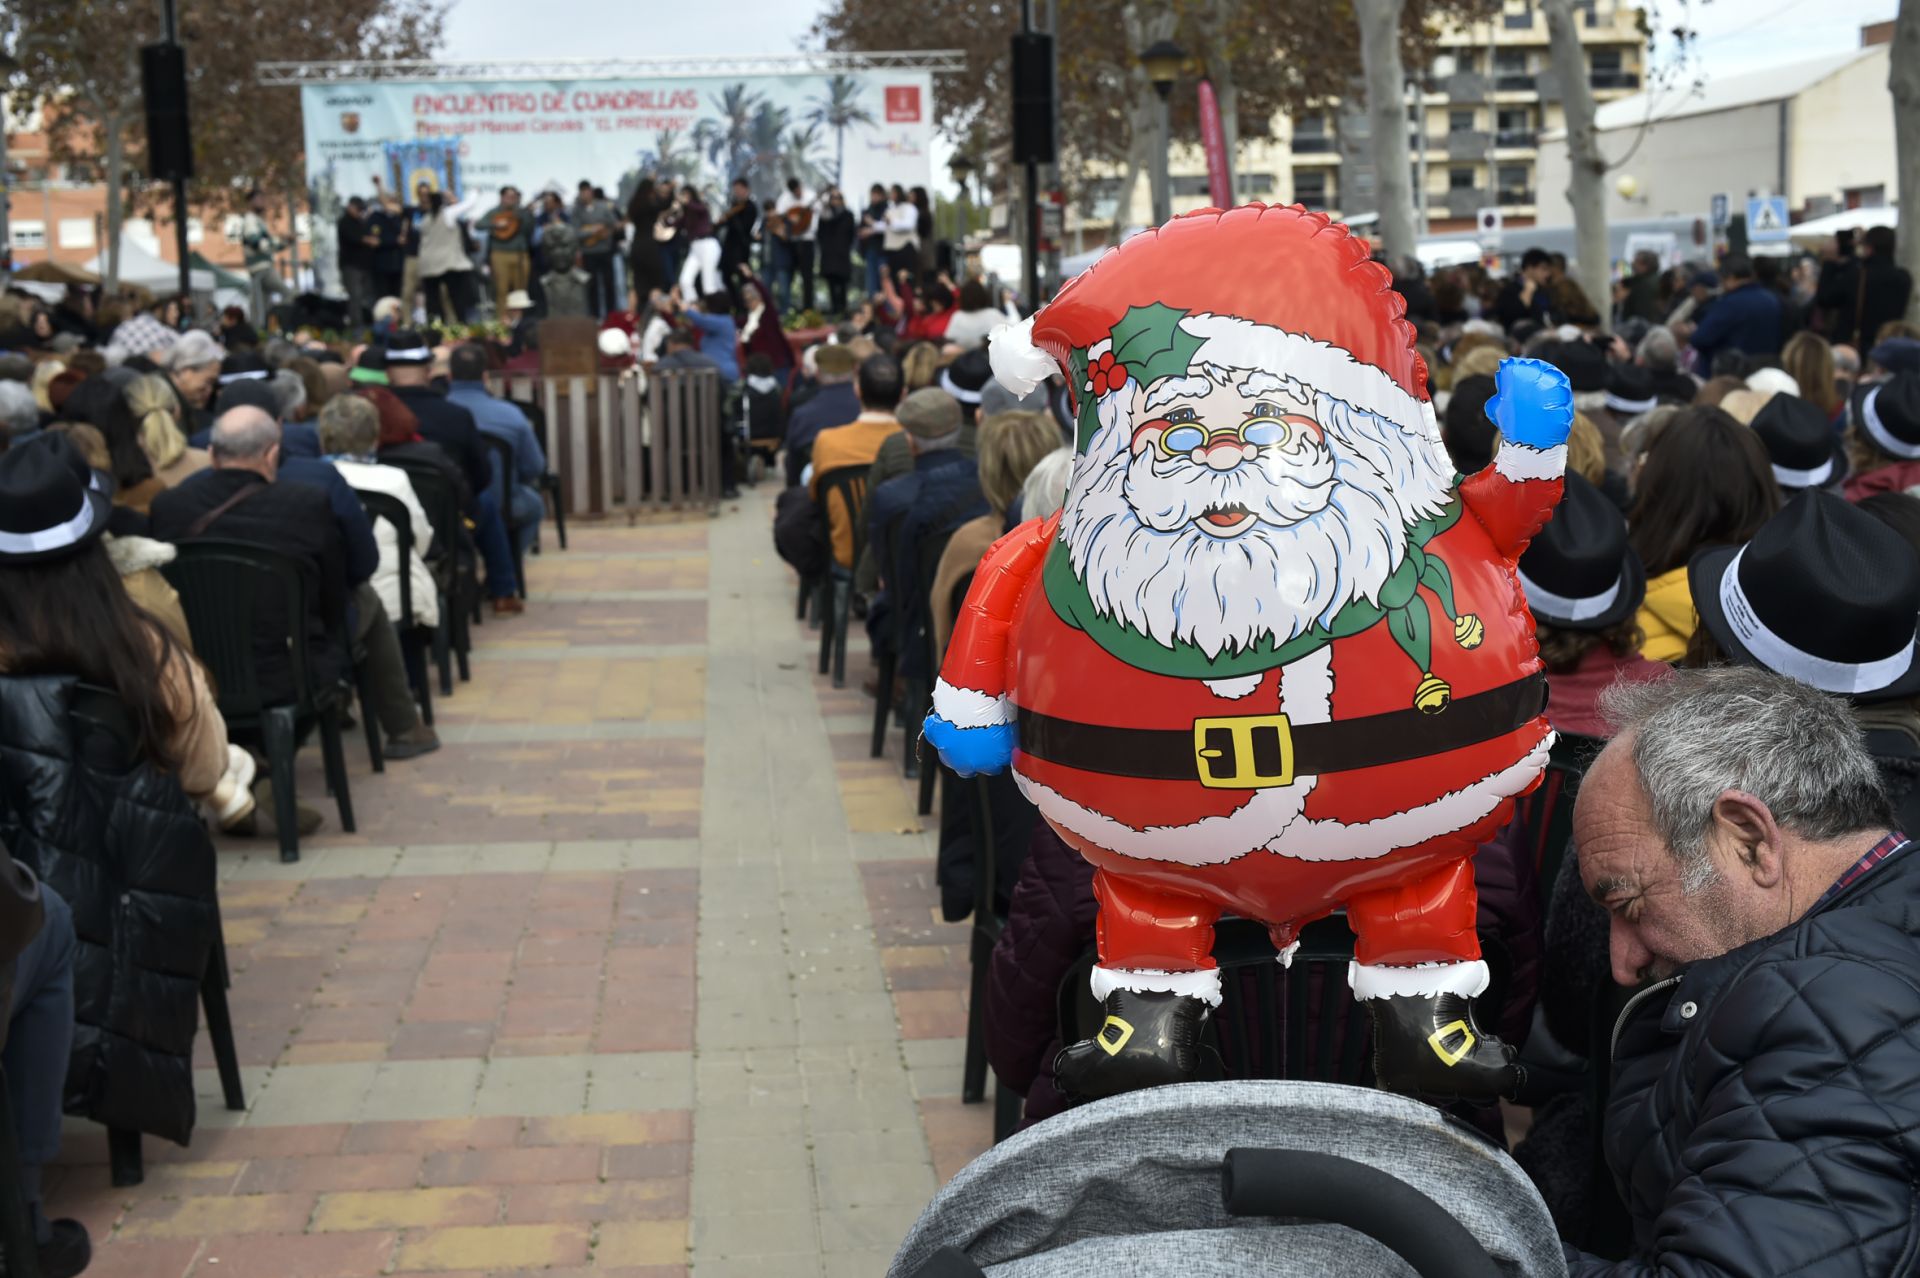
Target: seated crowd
[1726,604]
[119,451]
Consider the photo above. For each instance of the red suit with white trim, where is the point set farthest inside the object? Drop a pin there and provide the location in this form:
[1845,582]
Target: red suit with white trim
[1271,658]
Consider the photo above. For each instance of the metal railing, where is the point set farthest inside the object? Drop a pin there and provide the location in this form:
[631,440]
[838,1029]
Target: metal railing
[1513,82]
[1516,138]
[1311,144]
[630,443]
[1614,79]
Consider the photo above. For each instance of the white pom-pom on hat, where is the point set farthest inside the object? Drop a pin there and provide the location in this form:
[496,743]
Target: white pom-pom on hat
[1017,363]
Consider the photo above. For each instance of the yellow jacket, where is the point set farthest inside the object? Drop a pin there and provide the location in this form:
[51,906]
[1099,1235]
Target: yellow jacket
[1668,617]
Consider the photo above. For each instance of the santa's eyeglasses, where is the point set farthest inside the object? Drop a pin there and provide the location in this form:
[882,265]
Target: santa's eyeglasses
[1180,433]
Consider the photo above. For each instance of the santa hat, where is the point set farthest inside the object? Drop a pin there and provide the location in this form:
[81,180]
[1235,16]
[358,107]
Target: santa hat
[1337,323]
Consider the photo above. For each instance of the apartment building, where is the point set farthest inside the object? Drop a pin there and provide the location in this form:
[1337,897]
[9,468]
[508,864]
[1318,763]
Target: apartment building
[1474,129]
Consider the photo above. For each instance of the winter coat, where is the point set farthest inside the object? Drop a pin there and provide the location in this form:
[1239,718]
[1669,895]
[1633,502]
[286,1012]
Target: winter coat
[1895,477]
[836,243]
[120,840]
[1667,617]
[1764,1118]
[138,561]
[1050,924]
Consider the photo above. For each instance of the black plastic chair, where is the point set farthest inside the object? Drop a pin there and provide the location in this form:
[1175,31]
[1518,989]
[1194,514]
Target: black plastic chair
[503,482]
[848,484]
[887,659]
[221,585]
[550,484]
[390,508]
[919,759]
[17,1247]
[99,708]
[452,641]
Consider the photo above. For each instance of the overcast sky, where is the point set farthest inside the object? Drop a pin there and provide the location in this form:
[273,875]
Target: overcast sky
[1735,34]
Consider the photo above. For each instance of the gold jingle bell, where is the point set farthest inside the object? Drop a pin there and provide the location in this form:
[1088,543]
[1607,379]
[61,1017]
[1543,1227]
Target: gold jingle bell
[1467,631]
[1433,695]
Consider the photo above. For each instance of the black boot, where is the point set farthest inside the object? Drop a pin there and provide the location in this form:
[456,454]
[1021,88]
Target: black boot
[1429,1045]
[1147,1040]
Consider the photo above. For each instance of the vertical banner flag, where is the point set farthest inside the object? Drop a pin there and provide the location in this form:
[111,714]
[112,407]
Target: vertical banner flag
[1213,138]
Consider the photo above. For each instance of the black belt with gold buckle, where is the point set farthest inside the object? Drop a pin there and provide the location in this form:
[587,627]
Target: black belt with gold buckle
[1259,751]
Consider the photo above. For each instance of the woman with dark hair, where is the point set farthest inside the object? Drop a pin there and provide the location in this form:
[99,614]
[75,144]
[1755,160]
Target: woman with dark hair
[103,406]
[923,226]
[109,735]
[976,317]
[1707,481]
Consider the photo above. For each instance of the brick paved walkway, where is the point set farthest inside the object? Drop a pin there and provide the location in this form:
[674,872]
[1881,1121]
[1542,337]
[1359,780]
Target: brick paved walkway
[641,974]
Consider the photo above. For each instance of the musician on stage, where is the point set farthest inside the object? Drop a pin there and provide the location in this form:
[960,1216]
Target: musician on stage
[653,216]
[509,231]
[736,228]
[597,223]
[800,208]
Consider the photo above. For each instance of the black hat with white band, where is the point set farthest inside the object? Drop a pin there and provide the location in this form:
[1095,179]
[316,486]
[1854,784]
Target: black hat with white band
[404,346]
[243,366]
[1824,593]
[1579,573]
[1888,413]
[47,510]
[1801,444]
[1630,390]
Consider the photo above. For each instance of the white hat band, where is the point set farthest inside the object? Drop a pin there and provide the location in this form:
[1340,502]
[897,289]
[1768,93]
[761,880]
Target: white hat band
[960,393]
[1788,477]
[410,355]
[1621,404]
[227,379]
[1566,607]
[1781,657]
[1881,435]
[58,537]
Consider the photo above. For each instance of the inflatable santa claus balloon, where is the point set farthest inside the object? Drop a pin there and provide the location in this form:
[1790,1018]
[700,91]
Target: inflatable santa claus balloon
[1272,657]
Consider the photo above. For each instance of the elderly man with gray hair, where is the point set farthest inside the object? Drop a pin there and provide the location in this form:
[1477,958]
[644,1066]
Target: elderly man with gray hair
[1659,353]
[250,494]
[1764,1117]
[19,414]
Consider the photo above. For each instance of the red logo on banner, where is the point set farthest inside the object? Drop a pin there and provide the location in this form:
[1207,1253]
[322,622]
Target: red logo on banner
[903,104]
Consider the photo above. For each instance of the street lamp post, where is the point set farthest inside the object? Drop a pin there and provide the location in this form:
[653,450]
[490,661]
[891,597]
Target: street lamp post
[1162,61]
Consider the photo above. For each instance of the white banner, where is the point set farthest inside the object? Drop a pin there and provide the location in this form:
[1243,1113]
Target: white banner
[854,128]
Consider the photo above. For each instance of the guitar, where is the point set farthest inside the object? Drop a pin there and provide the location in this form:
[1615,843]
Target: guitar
[505,224]
[799,219]
[666,226]
[595,234]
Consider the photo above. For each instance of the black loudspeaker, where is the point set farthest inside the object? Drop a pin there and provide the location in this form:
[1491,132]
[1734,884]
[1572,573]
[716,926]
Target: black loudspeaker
[163,80]
[1033,98]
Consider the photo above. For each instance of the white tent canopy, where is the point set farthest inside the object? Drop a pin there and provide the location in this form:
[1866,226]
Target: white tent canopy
[1821,228]
[137,266]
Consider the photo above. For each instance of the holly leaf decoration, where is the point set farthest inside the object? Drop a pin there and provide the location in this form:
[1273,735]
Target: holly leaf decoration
[1151,343]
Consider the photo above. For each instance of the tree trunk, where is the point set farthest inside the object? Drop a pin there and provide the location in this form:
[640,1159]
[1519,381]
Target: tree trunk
[1144,114]
[1228,94]
[1903,78]
[1386,85]
[111,123]
[1586,167]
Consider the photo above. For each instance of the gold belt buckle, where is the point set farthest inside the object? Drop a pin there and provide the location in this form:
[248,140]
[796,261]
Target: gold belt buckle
[1240,741]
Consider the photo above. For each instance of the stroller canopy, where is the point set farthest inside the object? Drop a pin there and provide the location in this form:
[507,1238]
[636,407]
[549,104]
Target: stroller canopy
[1133,1185]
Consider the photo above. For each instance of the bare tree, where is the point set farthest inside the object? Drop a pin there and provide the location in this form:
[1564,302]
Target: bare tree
[1587,164]
[1385,78]
[1588,168]
[1903,78]
[80,64]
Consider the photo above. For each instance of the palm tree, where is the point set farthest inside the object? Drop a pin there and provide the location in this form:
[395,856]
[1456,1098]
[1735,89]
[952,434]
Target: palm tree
[765,148]
[724,136]
[799,149]
[838,110]
[671,157]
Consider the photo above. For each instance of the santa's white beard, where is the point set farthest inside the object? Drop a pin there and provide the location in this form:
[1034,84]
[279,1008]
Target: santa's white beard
[1329,528]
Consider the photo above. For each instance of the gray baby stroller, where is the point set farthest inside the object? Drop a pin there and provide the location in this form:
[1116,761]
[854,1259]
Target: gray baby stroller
[1208,1180]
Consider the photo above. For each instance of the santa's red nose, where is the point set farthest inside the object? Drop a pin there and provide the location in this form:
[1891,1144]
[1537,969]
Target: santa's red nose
[1224,453]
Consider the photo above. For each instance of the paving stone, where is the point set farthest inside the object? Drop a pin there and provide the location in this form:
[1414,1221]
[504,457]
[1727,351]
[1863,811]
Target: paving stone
[493,1247]
[406,1208]
[641,1242]
[533,1085]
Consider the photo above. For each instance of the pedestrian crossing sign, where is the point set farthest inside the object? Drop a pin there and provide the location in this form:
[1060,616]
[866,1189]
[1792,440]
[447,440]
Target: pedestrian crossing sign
[1766,218]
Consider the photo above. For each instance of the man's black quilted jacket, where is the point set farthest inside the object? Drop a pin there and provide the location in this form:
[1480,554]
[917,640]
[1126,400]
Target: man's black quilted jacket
[119,840]
[1765,1118]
